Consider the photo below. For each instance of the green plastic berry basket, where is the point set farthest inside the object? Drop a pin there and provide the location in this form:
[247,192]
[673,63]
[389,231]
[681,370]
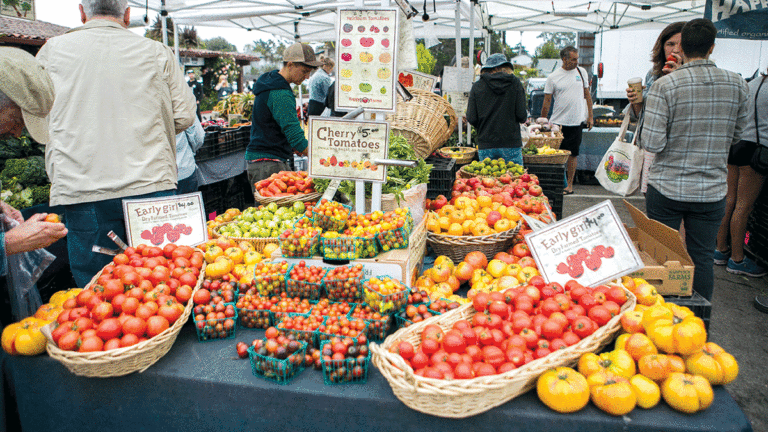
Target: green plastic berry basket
[269,284]
[329,223]
[348,289]
[254,318]
[342,248]
[384,304]
[213,329]
[369,247]
[396,238]
[326,336]
[308,336]
[351,308]
[281,371]
[347,371]
[303,289]
[299,248]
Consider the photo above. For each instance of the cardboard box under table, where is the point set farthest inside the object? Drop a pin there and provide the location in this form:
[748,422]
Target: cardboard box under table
[668,267]
[403,264]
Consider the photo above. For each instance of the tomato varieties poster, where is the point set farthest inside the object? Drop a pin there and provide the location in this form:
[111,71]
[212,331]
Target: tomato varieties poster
[366,63]
[176,219]
[591,247]
[344,149]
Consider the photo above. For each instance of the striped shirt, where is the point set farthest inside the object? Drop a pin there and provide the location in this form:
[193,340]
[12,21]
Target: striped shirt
[692,118]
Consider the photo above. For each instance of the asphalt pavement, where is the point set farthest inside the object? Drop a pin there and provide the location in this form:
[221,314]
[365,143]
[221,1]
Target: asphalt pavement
[735,324]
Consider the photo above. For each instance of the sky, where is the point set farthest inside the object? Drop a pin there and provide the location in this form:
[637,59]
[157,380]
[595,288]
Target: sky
[66,13]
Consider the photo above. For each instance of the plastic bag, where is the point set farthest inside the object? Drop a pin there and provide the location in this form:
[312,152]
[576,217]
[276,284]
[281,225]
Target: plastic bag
[24,270]
[413,199]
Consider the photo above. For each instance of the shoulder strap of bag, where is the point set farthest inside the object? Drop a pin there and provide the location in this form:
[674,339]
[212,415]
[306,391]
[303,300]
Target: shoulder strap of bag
[757,94]
[582,80]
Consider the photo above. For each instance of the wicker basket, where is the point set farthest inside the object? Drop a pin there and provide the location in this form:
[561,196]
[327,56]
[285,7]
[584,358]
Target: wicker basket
[457,247]
[468,153]
[121,361]
[551,159]
[312,196]
[465,398]
[420,121]
[257,242]
[552,139]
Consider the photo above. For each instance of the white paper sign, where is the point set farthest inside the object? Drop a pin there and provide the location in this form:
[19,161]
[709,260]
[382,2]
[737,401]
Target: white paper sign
[421,81]
[457,79]
[178,219]
[458,101]
[591,247]
[347,149]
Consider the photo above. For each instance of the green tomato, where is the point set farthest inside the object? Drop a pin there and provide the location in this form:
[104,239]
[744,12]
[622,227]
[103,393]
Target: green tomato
[299,207]
[272,207]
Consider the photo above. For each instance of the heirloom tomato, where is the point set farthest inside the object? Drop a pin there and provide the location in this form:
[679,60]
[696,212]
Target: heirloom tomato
[563,390]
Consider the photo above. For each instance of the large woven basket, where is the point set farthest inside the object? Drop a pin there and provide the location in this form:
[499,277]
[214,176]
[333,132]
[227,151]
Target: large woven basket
[257,242]
[552,159]
[420,121]
[552,139]
[465,398]
[312,196]
[122,361]
[467,154]
[457,247]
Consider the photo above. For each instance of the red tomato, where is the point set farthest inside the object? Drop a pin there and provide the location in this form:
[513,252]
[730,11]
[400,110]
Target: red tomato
[128,340]
[60,330]
[70,340]
[111,344]
[91,344]
[156,325]
[600,314]
[202,296]
[453,342]
[183,294]
[171,312]
[135,326]
[168,250]
[583,326]
[108,329]
[551,329]
[493,356]
[102,311]
[130,305]
[188,278]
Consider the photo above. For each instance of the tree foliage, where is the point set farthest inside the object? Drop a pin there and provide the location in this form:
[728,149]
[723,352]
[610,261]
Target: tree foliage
[560,40]
[187,35]
[547,50]
[425,59]
[270,50]
[218,43]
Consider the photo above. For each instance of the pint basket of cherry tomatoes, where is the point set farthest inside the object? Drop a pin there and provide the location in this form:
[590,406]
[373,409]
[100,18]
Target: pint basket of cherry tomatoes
[216,325]
[344,283]
[340,247]
[269,279]
[385,295]
[284,305]
[353,329]
[299,242]
[277,359]
[330,215]
[344,362]
[305,281]
[253,311]
[378,324]
[301,327]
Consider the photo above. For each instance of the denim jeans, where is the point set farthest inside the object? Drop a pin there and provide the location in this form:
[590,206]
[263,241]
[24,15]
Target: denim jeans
[508,154]
[88,225]
[701,222]
[187,185]
[262,170]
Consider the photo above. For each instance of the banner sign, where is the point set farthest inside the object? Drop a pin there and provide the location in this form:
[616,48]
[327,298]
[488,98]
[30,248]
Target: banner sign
[176,219]
[366,60]
[347,149]
[738,19]
[591,247]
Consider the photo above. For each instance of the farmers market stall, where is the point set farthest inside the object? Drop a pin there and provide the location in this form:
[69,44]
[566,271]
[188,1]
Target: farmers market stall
[203,386]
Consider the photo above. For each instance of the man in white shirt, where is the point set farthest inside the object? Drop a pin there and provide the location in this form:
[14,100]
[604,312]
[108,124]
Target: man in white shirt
[569,85]
[120,101]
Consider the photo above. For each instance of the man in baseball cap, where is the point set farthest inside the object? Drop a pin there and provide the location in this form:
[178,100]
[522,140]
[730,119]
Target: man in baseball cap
[276,132]
[26,95]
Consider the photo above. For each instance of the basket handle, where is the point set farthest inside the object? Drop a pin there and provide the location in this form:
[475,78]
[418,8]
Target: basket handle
[398,362]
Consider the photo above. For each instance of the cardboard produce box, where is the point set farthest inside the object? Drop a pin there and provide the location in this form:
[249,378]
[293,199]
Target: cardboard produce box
[668,266]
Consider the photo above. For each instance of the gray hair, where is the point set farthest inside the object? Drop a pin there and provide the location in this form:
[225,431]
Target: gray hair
[565,52]
[113,8]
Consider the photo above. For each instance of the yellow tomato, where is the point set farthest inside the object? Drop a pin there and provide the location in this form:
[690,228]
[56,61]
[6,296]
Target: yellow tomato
[714,364]
[621,341]
[655,366]
[563,390]
[252,257]
[213,252]
[674,329]
[614,395]
[48,312]
[235,254]
[24,337]
[647,392]
[617,362]
[687,393]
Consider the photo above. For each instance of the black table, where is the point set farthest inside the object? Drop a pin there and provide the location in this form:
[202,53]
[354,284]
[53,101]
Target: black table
[203,386]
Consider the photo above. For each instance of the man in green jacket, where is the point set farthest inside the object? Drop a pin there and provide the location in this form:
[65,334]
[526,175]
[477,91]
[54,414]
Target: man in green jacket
[275,129]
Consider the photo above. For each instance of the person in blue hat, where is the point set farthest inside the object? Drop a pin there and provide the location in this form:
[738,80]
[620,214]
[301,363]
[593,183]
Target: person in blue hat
[496,108]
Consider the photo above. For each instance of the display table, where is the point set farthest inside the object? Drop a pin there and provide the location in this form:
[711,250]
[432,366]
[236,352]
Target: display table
[594,144]
[203,386]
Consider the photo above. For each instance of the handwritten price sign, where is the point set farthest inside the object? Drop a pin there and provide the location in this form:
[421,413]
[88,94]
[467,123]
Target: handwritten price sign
[157,221]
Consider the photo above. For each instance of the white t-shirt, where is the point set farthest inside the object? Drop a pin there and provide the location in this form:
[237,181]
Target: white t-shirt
[567,88]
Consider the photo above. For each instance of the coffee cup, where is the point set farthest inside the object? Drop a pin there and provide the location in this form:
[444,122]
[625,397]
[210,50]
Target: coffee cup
[636,84]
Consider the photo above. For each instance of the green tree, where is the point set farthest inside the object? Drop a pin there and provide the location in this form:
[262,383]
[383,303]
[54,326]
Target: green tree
[559,39]
[270,49]
[14,4]
[425,59]
[547,50]
[218,43]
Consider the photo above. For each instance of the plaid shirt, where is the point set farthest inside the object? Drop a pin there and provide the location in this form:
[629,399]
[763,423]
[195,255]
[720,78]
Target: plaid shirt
[692,118]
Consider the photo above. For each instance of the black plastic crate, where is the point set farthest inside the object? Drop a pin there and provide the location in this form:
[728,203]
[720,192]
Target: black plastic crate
[214,197]
[555,197]
[210,148]
[550,176]
[442,176]
[700,306]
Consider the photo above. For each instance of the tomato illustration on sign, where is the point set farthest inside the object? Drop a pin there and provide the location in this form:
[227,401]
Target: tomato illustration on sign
[574,263]
[159,232]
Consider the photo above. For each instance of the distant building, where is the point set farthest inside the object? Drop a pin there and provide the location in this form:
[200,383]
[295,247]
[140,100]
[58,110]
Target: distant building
[26,34]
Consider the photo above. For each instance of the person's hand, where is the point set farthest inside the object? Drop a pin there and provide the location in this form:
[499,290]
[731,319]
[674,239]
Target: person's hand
[33,234]
[633,96]
[671,66]
[590,123]
[11,212]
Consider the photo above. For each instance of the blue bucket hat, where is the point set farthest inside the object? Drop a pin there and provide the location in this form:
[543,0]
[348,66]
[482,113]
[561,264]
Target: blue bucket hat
[496,60]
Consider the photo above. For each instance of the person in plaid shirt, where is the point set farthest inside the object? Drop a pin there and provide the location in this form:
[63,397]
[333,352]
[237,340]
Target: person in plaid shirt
[692,118]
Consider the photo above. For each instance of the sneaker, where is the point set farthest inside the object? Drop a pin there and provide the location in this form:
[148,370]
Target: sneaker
[721,258]
[746,268]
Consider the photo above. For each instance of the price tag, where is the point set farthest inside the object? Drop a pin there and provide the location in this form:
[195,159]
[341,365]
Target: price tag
[176,219]
[591,247]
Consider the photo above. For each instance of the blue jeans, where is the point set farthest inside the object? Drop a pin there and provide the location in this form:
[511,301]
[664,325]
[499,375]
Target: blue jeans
[508,154]
[701,221]
[88,225]
[187,185]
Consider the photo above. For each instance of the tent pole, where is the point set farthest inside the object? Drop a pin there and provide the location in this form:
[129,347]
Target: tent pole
[176,42]
[163,24]
[471,54]
[458,55]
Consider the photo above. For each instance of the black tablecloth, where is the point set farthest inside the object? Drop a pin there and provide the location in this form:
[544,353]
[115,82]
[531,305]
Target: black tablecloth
[204,386]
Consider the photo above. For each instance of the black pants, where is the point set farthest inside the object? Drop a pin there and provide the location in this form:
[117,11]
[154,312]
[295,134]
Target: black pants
[315,108]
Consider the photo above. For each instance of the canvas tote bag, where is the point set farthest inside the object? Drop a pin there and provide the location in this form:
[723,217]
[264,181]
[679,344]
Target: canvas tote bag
[620,169]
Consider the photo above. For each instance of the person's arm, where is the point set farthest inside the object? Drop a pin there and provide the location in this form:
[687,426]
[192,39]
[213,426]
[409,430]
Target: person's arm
[744,108]
[588,98]
[545,105]
[182,98]
[33,234]
[195,136]
[472,108]
[653,136]
[282,105]
[521,109]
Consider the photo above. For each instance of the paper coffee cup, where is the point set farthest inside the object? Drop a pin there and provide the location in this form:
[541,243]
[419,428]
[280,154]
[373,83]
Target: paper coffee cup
[637,85]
